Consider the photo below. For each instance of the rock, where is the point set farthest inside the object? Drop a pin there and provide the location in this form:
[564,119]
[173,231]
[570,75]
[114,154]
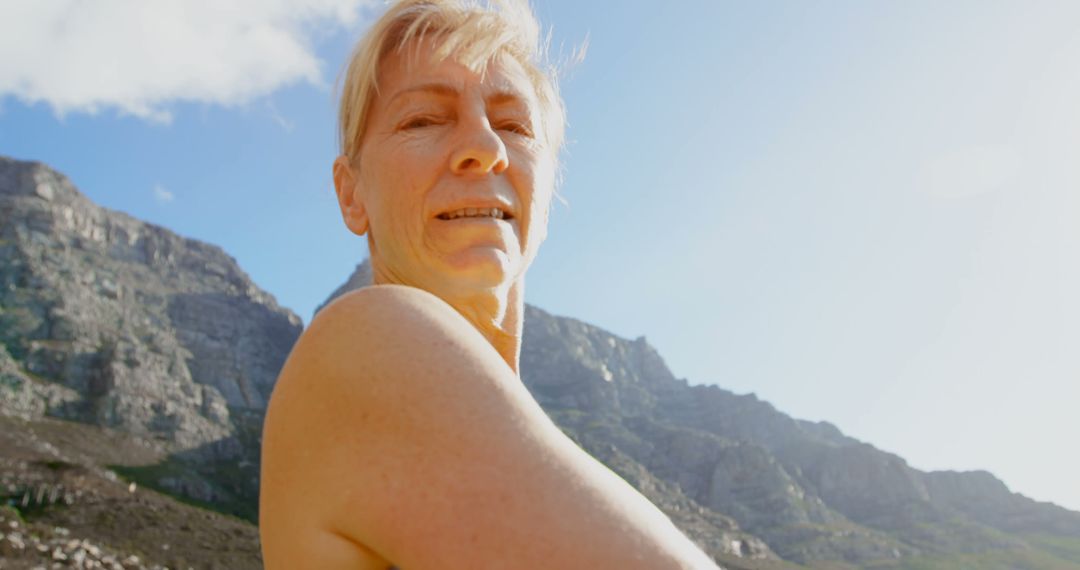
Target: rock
[109,320]
[12,545]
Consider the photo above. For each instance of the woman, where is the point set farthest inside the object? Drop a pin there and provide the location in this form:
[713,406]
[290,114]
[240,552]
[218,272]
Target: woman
[399,432]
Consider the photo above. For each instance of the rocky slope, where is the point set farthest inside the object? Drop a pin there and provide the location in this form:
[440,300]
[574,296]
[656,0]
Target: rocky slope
[66,501]
[129,354]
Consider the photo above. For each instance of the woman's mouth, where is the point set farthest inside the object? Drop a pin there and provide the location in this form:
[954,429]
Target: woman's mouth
[477,213]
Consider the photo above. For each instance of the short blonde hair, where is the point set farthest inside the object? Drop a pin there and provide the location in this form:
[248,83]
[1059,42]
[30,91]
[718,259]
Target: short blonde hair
[472,32]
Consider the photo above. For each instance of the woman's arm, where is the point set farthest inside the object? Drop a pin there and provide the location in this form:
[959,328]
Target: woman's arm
[415,439]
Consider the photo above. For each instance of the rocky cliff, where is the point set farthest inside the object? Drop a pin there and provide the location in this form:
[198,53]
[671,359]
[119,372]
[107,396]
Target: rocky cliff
[146,330]
[111,321]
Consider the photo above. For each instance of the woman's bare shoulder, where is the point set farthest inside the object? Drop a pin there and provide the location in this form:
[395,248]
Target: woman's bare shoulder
[390,312]
[385,293]
[417,441]
[392,328]
[381,300]
[345,355]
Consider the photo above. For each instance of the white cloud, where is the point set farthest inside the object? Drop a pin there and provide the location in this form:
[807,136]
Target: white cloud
[139,57]
[162,195]
[280,119]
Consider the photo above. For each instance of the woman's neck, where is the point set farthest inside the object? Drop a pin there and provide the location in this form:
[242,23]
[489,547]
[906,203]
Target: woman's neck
[498,314]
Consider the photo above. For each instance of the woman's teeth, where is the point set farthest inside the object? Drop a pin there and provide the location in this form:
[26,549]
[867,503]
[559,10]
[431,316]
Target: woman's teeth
[474,213]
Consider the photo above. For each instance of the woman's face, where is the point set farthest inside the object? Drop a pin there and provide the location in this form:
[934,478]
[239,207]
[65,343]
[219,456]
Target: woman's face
[441,139]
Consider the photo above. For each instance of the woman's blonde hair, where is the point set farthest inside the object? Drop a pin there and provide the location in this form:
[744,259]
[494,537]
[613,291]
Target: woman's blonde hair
[472,32]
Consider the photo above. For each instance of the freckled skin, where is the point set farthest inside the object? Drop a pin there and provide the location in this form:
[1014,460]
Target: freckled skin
[424,151]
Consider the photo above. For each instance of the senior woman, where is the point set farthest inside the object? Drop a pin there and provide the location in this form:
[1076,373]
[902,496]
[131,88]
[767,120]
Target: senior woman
[399,432]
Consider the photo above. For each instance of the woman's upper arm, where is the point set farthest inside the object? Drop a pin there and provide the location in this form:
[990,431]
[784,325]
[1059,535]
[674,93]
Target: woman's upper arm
[419,442]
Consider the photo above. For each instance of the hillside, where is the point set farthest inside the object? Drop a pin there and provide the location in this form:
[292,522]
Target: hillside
[135,367]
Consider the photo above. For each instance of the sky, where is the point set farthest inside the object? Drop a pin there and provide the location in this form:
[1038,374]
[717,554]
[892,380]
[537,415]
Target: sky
[866,213]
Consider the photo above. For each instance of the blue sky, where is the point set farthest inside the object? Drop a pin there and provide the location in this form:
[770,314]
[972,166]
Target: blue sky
[863,212]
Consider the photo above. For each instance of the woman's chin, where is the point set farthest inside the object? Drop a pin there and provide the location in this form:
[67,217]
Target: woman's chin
[481,268]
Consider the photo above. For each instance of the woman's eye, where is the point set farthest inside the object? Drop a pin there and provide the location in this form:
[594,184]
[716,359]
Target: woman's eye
[419,123]
[517,128]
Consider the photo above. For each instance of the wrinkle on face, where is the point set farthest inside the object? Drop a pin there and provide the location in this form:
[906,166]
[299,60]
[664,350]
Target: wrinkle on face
[431,111]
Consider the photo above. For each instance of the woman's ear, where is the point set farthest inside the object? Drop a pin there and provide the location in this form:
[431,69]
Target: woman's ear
[346,184]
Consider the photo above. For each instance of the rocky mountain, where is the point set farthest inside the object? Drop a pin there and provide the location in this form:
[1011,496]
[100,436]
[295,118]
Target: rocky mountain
[135,366]
[111,321]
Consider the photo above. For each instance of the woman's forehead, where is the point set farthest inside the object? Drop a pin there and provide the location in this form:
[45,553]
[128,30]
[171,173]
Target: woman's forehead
[502,80]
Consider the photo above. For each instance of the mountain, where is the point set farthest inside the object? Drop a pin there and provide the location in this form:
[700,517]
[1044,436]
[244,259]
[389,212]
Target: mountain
[109,321]
[135,366]
[143,329]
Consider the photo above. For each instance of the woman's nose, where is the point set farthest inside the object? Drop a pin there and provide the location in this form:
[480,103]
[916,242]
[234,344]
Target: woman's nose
[481,150]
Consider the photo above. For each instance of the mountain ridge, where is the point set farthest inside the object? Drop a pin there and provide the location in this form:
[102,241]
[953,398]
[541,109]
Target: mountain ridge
[112,322]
